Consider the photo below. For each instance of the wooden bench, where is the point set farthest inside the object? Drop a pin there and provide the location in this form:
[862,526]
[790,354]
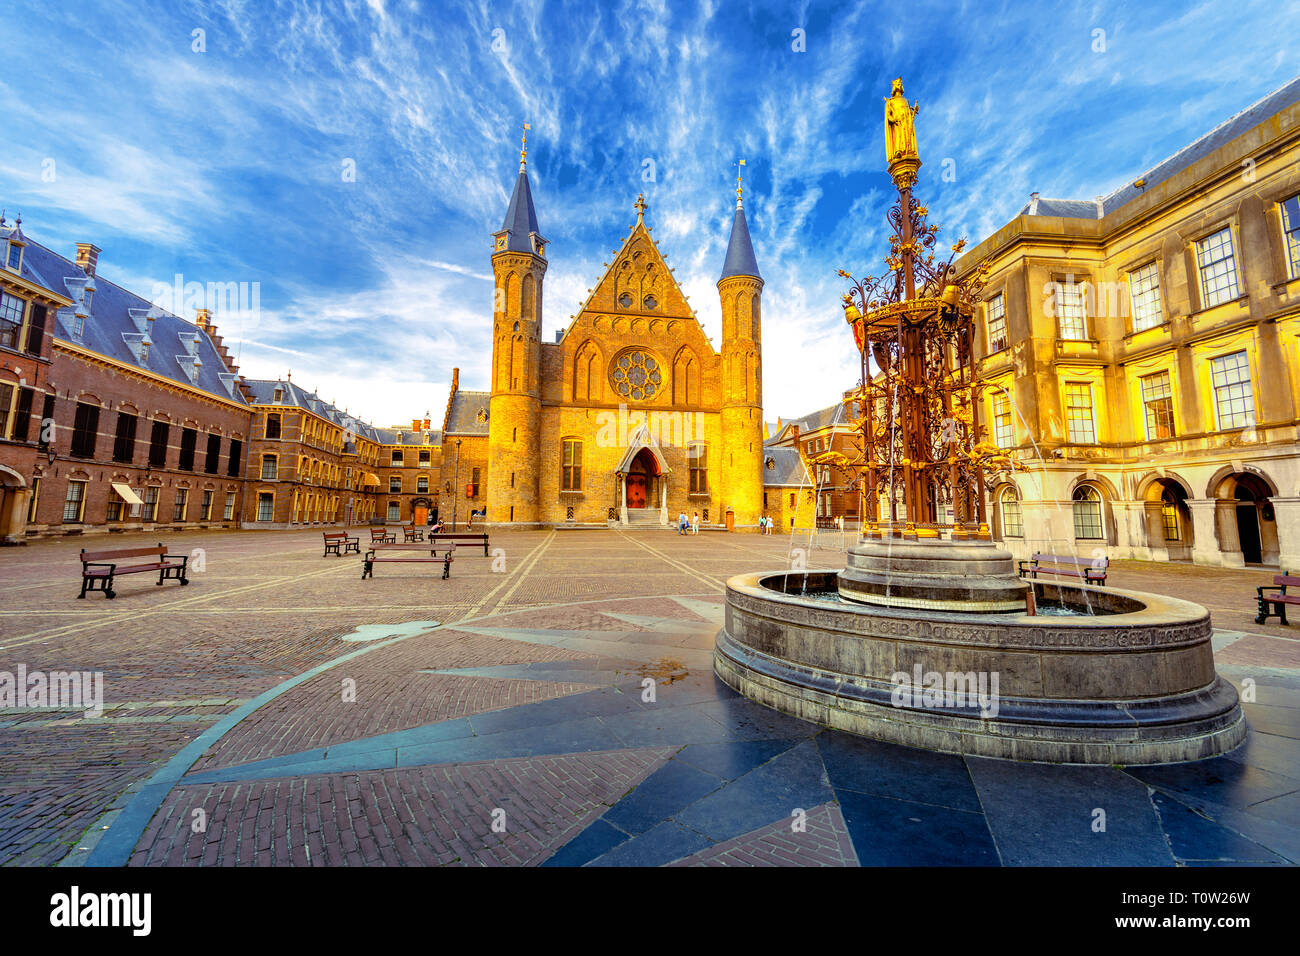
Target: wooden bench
[422,553]
[460,536]
[98,568]
[336,540]
[382,535]
[412,533]
[1063,565]
[1279,600]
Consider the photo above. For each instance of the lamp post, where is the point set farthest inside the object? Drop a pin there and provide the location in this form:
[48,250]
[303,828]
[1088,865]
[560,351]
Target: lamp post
[455,487]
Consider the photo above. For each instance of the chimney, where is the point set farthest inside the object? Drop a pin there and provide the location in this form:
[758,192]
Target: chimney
[1033,204]
[455,380]
[87,257]
[203,319]
[428,423]
[415,424]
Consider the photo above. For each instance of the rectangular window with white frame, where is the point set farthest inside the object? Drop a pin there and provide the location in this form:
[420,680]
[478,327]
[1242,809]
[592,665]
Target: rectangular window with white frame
[75,501]
[1234,397]
[1291,234]
[11,320]
[1071,316]
[182,501]
[230,506]
[150,510]
[1217,263]
[265,506]
[996,325]
[1158,405]
[1144,297]
[1003,433]
[1078,413]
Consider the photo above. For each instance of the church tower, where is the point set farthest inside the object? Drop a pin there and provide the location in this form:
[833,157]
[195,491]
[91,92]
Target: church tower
[514,422]
[741,288]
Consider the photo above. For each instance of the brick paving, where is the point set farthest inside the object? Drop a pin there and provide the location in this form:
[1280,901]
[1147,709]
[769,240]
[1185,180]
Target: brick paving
[426,816]
[267,608]
[824,842]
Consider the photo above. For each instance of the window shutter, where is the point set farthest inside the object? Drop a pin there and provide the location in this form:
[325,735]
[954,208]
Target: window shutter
[24,415]
[36,330]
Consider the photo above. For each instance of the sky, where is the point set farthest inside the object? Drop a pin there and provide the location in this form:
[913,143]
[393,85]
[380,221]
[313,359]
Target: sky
[349,160]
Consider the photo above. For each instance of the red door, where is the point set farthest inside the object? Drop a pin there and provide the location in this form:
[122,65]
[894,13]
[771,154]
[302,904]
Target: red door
[636,491]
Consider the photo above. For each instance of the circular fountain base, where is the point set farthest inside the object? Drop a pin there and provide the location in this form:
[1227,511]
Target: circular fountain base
[934,574]
[1132,683]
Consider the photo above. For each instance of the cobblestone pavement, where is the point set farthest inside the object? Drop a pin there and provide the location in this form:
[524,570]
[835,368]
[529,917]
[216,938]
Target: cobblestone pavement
[281,710]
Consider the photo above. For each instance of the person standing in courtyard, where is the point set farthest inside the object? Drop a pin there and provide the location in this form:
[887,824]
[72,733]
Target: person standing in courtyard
[695,523]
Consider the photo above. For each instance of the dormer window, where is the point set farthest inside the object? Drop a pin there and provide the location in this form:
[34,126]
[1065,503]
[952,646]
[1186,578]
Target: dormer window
[78,325]
[14,256]
[278,396]
[90,293]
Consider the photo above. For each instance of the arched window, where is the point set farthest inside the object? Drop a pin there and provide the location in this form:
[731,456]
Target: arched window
[1087,513]
[1013,521]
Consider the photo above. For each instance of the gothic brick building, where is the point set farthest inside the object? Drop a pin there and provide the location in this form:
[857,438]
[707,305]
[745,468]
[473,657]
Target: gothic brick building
[631,416]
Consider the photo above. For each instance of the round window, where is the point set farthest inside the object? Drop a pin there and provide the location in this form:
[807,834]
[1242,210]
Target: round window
[649,303]
[625,301]
[636,375]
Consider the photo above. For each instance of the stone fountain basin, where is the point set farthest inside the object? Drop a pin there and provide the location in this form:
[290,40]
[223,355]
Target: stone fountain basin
[1134,684]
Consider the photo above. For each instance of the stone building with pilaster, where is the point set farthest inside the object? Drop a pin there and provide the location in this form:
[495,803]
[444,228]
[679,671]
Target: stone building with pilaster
[1144,353]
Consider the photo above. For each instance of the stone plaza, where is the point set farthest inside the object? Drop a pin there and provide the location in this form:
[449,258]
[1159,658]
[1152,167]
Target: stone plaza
[551,703]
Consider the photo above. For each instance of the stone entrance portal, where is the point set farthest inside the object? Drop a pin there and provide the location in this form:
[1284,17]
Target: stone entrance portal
[642,481]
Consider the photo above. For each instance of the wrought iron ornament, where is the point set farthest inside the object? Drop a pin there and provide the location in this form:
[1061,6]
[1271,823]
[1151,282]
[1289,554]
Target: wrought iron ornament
[921,444]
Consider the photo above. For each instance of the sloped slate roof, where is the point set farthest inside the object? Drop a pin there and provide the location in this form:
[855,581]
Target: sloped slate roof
[110,317]
[784,467]
[837,414]
[388,436]
[1221,135]
[294,396]
[462,419]
[740,259]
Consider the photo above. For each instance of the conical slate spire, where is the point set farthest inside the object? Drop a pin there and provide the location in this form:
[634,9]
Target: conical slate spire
[740,259]
[521,217]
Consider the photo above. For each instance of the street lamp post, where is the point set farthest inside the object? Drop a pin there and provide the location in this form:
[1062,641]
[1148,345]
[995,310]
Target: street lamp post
[455,487]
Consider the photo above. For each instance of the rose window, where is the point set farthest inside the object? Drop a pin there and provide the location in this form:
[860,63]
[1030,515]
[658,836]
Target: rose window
[636,375]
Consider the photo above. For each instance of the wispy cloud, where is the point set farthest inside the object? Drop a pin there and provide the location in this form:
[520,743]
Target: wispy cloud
[354,158]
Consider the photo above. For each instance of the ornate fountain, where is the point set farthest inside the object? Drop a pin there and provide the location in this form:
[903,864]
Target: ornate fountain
[929,637]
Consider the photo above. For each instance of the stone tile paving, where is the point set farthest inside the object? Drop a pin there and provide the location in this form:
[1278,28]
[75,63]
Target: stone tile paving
[529,698]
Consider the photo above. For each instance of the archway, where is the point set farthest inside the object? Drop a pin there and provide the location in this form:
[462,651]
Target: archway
[641,484]
[1170,530]
[1252,514]
[1247,526]
[14,498]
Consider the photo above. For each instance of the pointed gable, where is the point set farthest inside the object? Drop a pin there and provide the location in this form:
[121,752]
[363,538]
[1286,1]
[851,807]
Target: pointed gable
[639,283]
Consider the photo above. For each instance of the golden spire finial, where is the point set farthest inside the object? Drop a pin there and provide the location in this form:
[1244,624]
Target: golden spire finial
[523,148]
[640,206]
[739,187]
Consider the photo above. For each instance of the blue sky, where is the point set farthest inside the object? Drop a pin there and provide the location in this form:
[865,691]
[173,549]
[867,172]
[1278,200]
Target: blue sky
[227,165]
